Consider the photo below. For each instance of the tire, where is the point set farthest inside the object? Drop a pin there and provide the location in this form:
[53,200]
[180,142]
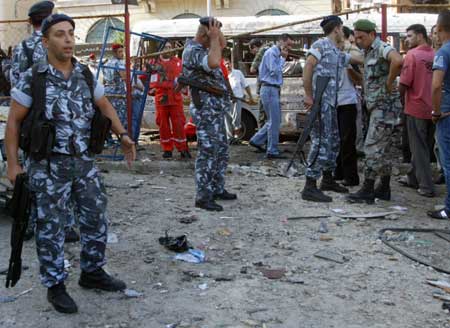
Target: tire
[248,124]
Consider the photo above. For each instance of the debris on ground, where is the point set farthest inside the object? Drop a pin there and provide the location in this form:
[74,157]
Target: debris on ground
[331,256]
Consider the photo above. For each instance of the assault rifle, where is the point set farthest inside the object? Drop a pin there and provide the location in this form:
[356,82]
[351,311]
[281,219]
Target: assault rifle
[20,211]
[321,85]
[195,84]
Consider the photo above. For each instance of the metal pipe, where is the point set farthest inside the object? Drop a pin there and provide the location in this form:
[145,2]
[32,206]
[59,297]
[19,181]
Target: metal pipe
[128,67]
[208,7]
[384,22]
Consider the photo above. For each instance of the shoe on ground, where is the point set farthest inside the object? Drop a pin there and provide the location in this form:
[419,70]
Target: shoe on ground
[439,214]
[364,195]
[383,193]
[350,183]
[71,235]
[61,300]
[225,195]
[275,156]
[425,193]
[208,205]
[99,279]
[332,186]
[260,148]
[167,154]
[440,179]
[405,183]
[185,154]
[312,194]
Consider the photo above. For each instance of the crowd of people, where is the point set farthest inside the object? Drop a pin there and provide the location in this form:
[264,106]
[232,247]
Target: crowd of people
[60,93]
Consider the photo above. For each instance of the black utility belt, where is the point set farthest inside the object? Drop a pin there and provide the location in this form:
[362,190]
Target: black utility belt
[264,84]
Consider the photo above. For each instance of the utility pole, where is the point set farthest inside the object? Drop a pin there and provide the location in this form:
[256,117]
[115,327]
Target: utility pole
[127,68]
[208,7]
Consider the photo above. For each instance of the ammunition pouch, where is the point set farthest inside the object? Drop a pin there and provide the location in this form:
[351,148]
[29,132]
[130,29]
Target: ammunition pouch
[43,136]
[196,98]
[100,127]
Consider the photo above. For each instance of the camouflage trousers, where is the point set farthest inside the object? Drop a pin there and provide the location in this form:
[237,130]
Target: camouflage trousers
[212,156]
[56,185]
[378,146]
[324,143]
[120,105]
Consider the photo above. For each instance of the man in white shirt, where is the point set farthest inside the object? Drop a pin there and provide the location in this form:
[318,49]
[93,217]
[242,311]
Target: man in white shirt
[238,85]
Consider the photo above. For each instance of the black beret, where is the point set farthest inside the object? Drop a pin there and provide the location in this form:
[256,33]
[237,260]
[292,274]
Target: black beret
[55,19]
[205,21]
[41,7]
[331,18]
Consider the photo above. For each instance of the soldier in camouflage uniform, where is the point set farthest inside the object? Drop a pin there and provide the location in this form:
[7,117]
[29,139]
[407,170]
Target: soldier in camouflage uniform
[69,172]
[324,59]
[201,62]
[382,65]
[114,80]
[257,48]
[30,50]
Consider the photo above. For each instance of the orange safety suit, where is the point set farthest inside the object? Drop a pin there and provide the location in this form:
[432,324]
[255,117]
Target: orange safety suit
[169,104]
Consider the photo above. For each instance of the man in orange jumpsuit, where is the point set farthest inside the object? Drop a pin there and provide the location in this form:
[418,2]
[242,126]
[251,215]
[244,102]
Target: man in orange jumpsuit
[169,104]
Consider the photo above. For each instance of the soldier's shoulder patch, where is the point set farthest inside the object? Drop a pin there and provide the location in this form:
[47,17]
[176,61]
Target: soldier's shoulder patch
[438,61]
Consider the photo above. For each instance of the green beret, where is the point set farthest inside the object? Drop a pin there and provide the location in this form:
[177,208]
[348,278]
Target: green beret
[364,25]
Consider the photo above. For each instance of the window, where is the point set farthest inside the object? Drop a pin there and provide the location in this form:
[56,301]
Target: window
[186,15]
[97,32]
[272,12]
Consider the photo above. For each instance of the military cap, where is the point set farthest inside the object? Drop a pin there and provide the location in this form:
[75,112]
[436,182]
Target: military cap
[364,25]
[205,21]
[41,8]
[55,19]
[116,46]
[331,18]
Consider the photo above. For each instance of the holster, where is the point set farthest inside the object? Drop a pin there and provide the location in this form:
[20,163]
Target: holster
[43,136]
[196,98]
[100,127]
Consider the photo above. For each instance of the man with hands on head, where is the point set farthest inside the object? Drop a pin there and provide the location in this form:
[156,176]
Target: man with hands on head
[69,172]
[201,62]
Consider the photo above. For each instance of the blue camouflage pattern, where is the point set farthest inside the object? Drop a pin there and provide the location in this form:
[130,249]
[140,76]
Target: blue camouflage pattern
[68,181]
[20,60]
[54,185]
[325,136]
[115,88]
[212,155]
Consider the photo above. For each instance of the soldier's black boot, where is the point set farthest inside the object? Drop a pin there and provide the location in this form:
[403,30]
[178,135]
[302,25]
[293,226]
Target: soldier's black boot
[383,190]
[61,301]
[208,204]
[99,279]
[311,193]
[365,194]
[328,183]
[225,195]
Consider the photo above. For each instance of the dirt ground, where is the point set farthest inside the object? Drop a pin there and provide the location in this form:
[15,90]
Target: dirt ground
[373,286]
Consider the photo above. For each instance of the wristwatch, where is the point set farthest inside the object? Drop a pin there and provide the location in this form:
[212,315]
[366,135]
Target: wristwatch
[434,114]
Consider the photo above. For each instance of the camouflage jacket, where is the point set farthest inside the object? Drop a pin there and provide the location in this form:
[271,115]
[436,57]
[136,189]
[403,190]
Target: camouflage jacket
[195,66]
[114,84]
[258,58]
[376,71]
[20,60]
[331,62]
[68,106]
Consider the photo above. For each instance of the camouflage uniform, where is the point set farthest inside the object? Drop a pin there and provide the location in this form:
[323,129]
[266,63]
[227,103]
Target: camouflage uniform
[20,60]
[212,155]
[384,111]
[20,65]
[69,174]
[115,86]
[325,139]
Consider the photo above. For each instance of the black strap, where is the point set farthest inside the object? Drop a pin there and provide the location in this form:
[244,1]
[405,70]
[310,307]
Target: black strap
[38,92]
[28,52]
[89,78]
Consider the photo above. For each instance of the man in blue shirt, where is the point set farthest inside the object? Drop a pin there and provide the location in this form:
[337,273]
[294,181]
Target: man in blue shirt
[441,104]
[271,77]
